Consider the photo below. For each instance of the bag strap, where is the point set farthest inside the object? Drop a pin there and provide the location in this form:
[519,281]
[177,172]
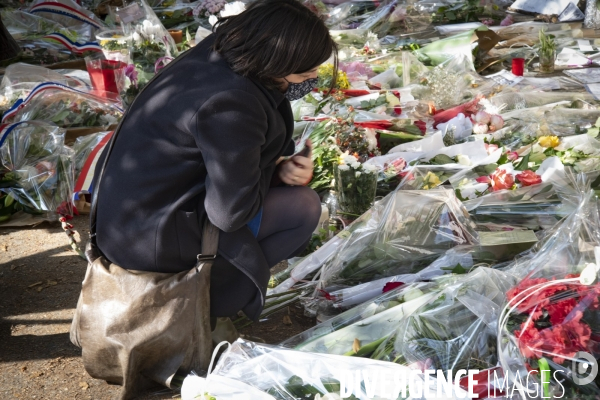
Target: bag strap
[210,234]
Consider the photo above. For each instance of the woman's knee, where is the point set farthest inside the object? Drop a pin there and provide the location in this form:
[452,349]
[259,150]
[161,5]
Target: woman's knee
[311,206]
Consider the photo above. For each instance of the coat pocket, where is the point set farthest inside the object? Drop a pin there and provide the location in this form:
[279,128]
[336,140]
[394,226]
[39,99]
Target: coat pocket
[189,236]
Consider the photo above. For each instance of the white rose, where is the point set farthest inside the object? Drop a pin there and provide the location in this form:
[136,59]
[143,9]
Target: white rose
[357,174]
[463,160]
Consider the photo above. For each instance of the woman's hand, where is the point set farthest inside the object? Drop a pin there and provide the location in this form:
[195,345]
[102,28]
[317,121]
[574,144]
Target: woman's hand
[298,170]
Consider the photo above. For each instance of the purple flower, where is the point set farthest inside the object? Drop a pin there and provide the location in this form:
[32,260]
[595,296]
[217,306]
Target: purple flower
[132,74]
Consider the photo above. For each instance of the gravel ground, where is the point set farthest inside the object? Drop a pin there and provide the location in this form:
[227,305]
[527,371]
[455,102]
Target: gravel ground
[40,279]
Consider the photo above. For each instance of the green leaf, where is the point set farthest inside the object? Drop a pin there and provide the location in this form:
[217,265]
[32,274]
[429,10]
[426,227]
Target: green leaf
[442,159]
[451,16]
[593,132]
[524,164]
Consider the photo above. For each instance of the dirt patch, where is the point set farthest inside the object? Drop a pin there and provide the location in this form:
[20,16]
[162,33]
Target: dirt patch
[40,280]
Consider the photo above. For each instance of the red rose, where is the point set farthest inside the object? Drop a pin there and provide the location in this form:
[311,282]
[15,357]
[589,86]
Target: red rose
[529,178]
[391,286]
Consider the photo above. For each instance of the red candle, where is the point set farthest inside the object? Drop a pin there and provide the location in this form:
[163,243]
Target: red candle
[518,65]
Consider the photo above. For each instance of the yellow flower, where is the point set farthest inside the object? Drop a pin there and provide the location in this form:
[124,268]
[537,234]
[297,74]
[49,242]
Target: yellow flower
[103,42]
[325,72]
[549,141]
[431,180]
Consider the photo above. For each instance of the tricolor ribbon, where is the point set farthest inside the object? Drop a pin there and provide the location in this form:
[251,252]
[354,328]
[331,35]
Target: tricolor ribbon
[75,47]
[5,129]
[19,104]
[86,176]
[63,9]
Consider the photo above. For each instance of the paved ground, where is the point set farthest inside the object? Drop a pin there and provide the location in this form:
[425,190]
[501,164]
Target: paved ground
[40,279]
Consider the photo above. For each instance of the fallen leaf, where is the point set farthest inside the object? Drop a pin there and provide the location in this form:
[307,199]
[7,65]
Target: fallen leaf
[5,247]
[35,284]
[13,267]
[84,385]
[356,345]
[51,283]
[24,368]
[40,288]
[287,320]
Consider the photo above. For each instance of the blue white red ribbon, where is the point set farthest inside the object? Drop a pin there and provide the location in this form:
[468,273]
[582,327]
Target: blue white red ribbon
[75,47]
[63,9]
[85,180]
[5,129]
[19,104]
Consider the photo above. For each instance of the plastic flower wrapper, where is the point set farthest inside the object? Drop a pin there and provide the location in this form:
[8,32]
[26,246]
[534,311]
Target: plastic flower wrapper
[70,15]
[458,260]
[19,79]
[152,46]
[397,17]
[36,173]
[345,18]
[457,329]
[176,16]
[41,52]
[551,314]
[426,177]
[478,41]
[569,245]
[360,330]
[548,331]
[66,107]
[23,25]
[447,85]
[408,231]
[288,374]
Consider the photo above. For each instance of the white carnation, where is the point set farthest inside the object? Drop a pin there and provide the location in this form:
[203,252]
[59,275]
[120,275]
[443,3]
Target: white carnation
[234,8]
[343,167]
[355,165]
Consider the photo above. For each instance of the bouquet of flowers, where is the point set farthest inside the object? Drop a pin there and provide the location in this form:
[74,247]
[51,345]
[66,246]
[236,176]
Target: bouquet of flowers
[66,107]
[20,79]
[548,329]
[356,185]
[36,173]
[285,374]
[457,330]
[407,231]
[360,330]
[550,333]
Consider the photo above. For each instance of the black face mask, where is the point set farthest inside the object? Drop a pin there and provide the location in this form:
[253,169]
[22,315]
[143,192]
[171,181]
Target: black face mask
[297,91]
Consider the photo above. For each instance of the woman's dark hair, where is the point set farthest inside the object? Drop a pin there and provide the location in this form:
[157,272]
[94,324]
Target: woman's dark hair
[274,38]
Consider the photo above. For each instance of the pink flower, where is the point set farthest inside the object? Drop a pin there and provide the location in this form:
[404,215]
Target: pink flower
[484,179]
[491,148]
[512,155]
[529,178]
[496,123]
[132,74]
[482,117]
[507,21]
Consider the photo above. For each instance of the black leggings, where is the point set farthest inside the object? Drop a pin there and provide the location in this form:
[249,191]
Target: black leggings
[290,215]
